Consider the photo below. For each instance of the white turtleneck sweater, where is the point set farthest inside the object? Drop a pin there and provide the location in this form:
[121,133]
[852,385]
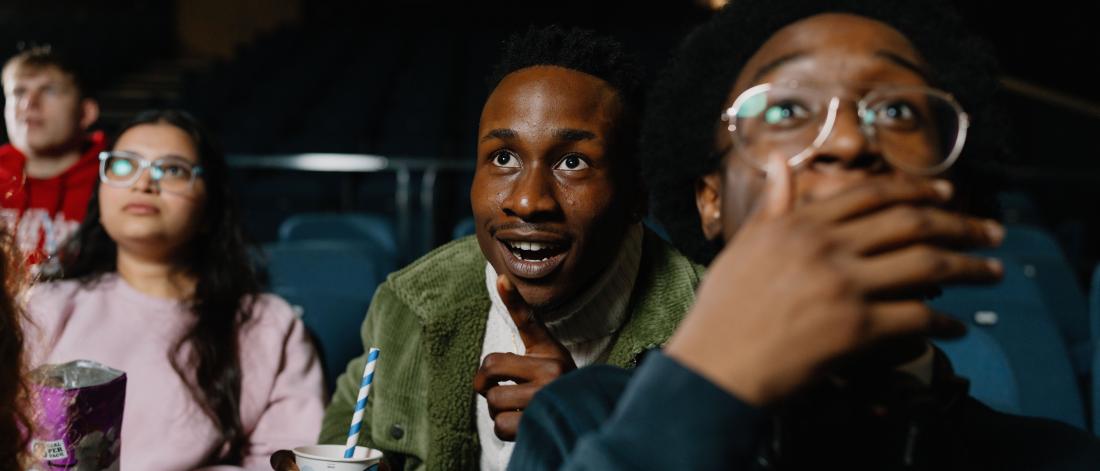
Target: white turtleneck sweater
[585,326]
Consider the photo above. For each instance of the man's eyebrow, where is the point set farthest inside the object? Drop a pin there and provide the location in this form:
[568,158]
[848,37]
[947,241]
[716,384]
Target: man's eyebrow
[176,157]
[502,134]
[894,57]
[570,134]
[776,64]
[906,63]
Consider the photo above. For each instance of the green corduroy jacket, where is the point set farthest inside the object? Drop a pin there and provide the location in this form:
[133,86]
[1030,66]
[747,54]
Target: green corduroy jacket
[428,320]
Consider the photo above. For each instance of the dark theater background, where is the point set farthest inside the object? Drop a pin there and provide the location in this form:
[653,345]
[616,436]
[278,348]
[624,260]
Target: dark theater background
[406,79]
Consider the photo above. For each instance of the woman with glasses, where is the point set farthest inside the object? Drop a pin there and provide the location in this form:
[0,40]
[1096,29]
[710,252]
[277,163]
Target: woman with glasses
[805,151]
[158,282]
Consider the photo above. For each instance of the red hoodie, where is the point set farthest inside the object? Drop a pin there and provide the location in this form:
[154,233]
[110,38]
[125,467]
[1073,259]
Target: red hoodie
[42,213]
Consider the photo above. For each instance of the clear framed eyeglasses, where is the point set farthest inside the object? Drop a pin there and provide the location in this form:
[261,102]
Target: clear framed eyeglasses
[171,174]
[918,129]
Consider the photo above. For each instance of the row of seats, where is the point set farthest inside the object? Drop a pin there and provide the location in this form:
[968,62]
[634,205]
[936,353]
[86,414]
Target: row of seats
[1014,352]
[1031,348]
[328,266]
[1031,344]
[1032,340]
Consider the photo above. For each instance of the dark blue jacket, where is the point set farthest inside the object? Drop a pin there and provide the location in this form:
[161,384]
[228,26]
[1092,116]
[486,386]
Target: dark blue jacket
[665,416]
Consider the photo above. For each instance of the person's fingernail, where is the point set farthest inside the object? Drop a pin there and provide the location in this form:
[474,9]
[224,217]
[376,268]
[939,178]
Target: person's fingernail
[943,187]
[995,231]
[995,265]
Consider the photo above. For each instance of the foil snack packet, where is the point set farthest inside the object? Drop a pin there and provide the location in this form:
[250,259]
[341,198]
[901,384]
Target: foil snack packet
[78,416]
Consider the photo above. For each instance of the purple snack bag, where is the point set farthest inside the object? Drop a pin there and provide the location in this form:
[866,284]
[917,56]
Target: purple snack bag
[78,416]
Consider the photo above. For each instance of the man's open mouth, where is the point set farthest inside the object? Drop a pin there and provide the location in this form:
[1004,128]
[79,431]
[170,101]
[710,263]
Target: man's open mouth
[535,251]
[533,259]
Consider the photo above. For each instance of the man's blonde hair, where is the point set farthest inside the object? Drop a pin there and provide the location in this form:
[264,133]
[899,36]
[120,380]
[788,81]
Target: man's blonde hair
[43,57]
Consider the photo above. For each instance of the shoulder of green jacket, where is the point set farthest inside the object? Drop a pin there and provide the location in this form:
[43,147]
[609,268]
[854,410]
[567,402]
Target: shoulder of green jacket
[452,276]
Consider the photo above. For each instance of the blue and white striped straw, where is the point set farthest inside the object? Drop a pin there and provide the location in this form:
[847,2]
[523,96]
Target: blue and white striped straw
[364,389]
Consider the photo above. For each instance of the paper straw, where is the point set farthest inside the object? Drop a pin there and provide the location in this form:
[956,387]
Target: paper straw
[361,403]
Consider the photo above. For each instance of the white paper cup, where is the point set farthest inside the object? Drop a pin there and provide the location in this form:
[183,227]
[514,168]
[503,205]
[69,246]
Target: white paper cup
[331,458]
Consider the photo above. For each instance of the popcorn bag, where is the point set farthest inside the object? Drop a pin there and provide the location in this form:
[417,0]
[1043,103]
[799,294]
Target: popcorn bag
[78,416]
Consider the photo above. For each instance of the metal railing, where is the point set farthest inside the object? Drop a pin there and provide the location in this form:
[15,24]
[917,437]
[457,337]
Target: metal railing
[403,168]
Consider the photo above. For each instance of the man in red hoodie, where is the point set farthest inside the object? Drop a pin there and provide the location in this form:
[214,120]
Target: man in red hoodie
[50,165]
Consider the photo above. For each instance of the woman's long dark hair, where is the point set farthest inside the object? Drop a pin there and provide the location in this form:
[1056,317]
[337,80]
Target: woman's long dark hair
[227,285]
[14,422]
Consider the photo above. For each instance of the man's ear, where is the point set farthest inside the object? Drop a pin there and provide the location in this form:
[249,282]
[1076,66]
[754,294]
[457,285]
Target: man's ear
[708,201]
[89,113]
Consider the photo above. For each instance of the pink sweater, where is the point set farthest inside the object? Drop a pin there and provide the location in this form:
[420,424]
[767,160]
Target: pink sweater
[282,392]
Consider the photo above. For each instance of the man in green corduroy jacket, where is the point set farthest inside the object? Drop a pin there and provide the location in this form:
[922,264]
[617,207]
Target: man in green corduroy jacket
[561,272]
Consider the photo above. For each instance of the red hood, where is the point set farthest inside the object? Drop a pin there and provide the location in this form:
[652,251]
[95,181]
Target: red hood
[12,161]
[81,174]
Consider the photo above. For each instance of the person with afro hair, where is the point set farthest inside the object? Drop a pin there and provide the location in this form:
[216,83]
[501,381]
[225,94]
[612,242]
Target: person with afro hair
[561,272]
[806,151]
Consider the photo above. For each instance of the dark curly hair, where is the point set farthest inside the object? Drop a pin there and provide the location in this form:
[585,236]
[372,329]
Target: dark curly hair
[15,424]
[227,285]
[577,49]
[585,51]
[678,131]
